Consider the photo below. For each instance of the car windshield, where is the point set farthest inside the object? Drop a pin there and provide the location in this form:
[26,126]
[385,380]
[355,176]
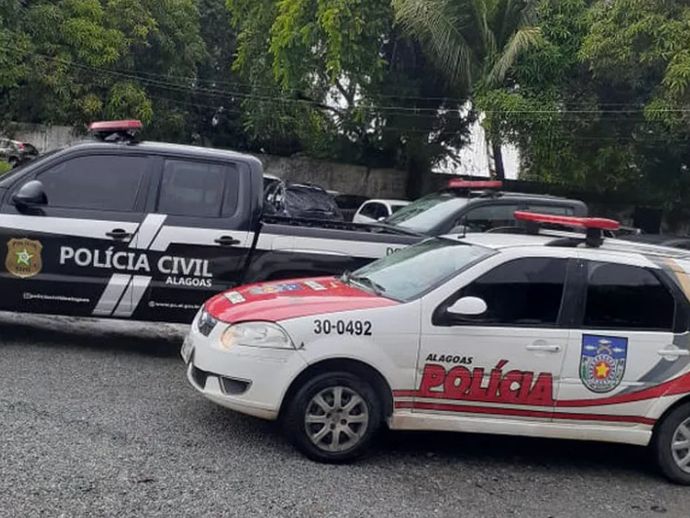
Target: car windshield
[412,271]
[427,212]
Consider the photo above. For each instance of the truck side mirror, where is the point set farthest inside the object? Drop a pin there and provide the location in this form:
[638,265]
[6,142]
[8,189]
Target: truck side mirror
[31,194]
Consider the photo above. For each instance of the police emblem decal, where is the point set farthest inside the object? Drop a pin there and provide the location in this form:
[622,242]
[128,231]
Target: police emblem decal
[24,258]
[602,362]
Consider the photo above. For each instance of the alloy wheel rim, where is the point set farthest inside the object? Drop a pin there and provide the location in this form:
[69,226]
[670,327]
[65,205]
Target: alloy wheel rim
[336,419]
[680,446]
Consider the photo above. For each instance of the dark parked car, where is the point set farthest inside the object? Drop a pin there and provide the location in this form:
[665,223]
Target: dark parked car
[15,152]
[299,200]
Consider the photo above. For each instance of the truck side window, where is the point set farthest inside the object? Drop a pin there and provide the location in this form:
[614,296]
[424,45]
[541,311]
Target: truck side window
[626,297]
[98,182]
[196,189]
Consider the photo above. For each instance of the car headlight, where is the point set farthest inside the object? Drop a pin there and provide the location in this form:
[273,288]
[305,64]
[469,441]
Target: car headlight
[256,334]
[206,323]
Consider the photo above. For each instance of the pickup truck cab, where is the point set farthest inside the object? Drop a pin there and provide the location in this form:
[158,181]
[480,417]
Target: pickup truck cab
[125,229]
[477,206]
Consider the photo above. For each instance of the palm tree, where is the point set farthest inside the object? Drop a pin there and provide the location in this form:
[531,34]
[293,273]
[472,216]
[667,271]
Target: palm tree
[474,43]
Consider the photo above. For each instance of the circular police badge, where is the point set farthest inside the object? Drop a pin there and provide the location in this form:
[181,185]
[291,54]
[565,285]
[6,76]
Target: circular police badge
[602,362]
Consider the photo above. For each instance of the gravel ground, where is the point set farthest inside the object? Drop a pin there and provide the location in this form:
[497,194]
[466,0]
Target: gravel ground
[97,419]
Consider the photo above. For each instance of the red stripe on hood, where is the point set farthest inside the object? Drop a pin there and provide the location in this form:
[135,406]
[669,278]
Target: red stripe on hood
[283,300]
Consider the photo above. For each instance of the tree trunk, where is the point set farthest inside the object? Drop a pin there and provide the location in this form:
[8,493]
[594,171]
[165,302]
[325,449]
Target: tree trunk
[497,153]
[418,171]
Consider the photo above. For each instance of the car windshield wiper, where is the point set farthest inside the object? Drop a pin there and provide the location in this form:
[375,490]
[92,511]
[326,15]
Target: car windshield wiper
[366,281]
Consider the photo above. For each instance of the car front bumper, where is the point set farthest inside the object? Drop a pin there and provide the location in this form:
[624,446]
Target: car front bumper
[250,380]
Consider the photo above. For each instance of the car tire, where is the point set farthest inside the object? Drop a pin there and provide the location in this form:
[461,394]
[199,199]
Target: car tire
[329,431]
[671,445]
[14,162]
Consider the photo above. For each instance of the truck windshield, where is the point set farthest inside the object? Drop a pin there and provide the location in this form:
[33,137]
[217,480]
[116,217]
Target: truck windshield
[412,271]
[427,212]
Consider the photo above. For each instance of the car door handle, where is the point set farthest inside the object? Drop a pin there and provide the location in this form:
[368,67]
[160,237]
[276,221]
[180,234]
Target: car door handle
[544,348]
[227,241]
[118,234]
[673,352]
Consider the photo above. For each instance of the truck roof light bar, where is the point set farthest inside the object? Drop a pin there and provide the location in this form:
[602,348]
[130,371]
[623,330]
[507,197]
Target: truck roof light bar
[116,131]
[459,183]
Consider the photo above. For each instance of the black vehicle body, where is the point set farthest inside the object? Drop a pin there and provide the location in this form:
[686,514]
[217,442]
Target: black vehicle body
[298,200]
[454,210]
[149,231]
[682,242]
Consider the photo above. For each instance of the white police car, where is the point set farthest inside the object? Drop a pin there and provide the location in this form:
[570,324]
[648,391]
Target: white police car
[549,334]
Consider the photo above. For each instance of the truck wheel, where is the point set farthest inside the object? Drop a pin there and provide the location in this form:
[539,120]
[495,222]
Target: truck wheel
[671,445]
[333,417]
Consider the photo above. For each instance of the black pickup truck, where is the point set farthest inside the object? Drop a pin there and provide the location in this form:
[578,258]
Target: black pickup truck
[148,231]
[119,228]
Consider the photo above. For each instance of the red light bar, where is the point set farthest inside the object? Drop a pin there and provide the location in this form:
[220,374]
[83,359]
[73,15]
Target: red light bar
[102,126]
[459,183]
[568,221]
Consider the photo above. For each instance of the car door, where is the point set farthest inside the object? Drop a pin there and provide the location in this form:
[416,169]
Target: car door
[503,362]
[203,237]
[623,346]
[76,254]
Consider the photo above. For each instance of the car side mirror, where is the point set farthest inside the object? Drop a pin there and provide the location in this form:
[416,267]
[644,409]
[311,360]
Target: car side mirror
[31,194]
[468,306]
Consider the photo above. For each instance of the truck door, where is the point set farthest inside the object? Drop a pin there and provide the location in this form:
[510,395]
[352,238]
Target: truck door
[74,254]
[203,238]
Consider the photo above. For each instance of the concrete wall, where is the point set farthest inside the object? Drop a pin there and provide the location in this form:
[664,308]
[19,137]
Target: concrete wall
[345,178]
[43,137]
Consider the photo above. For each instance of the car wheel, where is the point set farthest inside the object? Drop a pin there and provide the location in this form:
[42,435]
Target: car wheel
[333,417]
[13,161]
[672,445]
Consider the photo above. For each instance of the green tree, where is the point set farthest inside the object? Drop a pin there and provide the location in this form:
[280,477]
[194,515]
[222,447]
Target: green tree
[475,43]
[336,79]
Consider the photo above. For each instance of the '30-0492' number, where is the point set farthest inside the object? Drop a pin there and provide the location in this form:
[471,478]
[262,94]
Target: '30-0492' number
[342,327]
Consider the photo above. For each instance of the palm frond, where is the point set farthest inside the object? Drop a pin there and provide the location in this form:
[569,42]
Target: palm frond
[438,25]
[522,40]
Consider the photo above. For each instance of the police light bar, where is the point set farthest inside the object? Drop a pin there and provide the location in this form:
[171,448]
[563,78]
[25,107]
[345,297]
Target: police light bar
[125,125]
[568,221]
[459,183]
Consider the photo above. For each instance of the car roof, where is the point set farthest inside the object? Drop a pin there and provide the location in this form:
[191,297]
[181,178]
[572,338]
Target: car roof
[388,200]
[164,148]
[498,241]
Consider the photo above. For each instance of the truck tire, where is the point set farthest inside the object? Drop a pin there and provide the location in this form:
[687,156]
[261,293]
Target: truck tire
[671,445]
[333,417]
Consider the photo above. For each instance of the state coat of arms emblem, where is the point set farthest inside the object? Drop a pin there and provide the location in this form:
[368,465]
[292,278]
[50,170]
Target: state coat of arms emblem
[602,362]
[23,258]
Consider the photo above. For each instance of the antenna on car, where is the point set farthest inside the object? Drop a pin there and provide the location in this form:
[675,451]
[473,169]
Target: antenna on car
[594,227]
[116,131]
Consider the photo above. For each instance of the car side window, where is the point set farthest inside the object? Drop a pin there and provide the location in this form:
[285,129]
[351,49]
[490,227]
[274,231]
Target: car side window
[523,292]
[96,182]
[626,297]
[197,189]
[370,210]
[487,217]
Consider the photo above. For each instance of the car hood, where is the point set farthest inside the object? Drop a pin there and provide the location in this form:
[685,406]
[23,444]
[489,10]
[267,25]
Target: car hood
[283,300]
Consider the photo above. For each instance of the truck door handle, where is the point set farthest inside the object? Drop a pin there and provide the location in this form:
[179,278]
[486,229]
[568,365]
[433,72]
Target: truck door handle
[227,241]
[118,234]
[673,353]
[544,348]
